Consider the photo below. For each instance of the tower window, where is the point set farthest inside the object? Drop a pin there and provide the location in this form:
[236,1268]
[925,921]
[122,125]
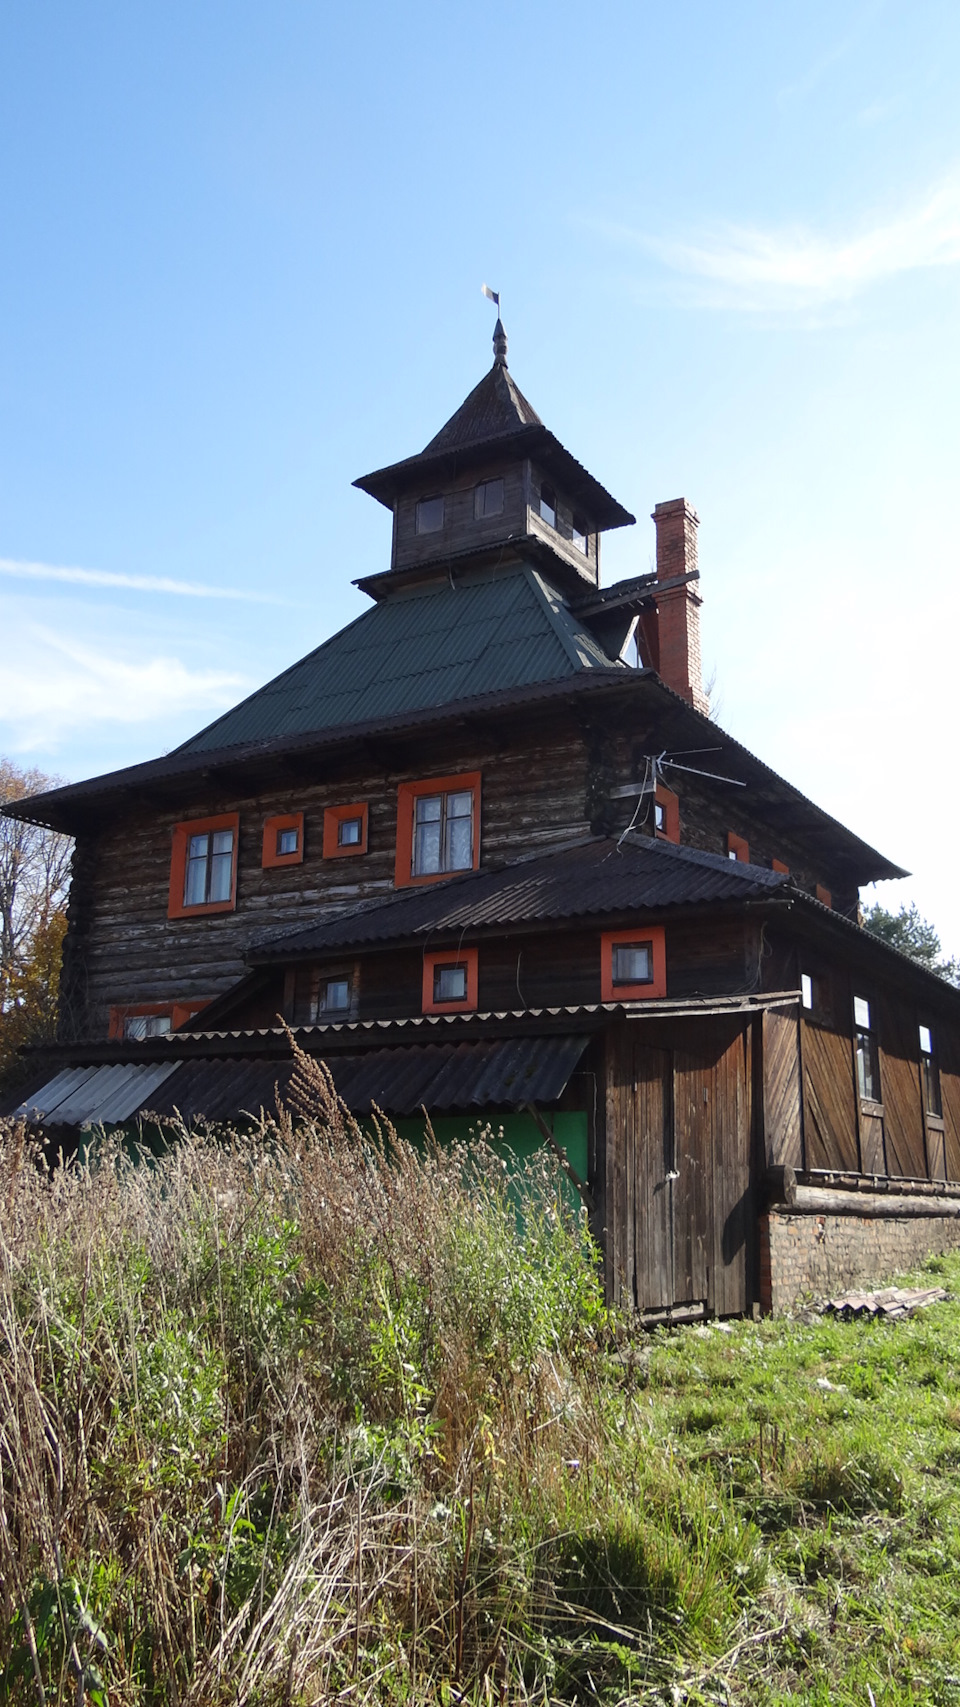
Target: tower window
[488,499]
[632,963]
[430,515]
[579,528]
[548,505]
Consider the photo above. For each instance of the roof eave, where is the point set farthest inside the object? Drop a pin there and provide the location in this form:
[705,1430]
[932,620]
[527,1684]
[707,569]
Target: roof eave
[387,484]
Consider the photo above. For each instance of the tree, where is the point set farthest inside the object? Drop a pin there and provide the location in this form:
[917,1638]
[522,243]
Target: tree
[912,935]
[34,878]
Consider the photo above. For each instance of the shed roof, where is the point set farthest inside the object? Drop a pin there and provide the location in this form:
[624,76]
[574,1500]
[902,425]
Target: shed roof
[501,1072]
[598,876]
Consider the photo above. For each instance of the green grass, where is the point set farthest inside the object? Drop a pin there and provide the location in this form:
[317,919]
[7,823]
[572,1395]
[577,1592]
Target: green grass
[286,1419]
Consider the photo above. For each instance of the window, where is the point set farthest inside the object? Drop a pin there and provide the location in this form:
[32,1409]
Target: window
[203,866]
[442,833]
[806,990]
[282,840]
[332,999]
[579,530]
[548,505]
[929,1074]
[738,848]
[865,1045]
[430,515]
[136,1027]
[139,1023]
[438,828]
[633,964]
[488,499]
[666,814]
[345,830]
[450,981]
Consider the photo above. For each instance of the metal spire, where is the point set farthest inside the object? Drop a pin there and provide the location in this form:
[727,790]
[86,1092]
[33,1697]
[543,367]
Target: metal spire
[499,345]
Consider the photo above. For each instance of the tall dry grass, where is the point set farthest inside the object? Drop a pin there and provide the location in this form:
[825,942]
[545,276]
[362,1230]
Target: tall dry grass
[301,1415]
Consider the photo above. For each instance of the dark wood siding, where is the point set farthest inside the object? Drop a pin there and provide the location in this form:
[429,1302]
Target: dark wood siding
[829,1103]
[782,1103]
[900,1089]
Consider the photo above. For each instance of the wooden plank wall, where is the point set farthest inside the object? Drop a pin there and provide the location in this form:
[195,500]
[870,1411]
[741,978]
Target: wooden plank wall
[782,1098]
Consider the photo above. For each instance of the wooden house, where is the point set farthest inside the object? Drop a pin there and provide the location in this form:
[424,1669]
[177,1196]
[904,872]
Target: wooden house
[486,853]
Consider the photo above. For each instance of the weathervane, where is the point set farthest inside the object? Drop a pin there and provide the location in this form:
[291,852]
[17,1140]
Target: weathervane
[499,335]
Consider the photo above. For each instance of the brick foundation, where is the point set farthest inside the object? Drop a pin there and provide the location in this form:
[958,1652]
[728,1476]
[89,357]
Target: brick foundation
[825,1254]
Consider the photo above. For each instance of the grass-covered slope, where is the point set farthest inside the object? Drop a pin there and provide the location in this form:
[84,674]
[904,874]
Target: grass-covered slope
[283,1421]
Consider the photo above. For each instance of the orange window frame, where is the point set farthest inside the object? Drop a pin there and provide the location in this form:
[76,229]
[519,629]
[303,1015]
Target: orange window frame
[670,802]
[407,795]
[738,846]
[823,895]
[179,1013]
[468,957]
[333,817]
[271,833]
[655,935]
[778,865]
[178,865]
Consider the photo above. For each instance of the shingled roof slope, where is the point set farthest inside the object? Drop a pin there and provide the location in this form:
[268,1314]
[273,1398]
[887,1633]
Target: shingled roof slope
[494,407]
[430,647]
[602,875]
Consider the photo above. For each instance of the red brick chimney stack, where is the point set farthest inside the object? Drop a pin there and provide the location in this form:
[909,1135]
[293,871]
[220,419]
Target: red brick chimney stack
[679,608]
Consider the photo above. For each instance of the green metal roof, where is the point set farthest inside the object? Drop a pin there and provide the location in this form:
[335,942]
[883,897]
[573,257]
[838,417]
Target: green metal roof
[420,648]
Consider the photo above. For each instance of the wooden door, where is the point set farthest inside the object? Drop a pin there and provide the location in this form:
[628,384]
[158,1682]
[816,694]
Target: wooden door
[680,1204]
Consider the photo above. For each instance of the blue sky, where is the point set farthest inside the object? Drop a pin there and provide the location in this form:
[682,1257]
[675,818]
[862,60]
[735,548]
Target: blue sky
[242,254]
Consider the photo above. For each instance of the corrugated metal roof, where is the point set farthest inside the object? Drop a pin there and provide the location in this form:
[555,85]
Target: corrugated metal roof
[89,1095]
[422,648]
[596,877]
[502,1073]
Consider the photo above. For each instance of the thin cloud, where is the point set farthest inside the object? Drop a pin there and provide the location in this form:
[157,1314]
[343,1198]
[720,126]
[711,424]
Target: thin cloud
[796,267]
[54,689]
[25,571]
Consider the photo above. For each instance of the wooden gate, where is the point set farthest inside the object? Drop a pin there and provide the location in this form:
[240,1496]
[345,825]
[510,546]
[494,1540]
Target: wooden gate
[680,1215]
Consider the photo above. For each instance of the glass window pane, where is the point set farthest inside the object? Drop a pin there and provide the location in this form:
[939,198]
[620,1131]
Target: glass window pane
[223,842]
[580,533]
[450,983]
[931,1087]
[459,842]
[199,846]
[459,805]
[548,505]
[806,989]
[926,1040]
[426,849]
[157,1025]
[861,1012]
[429,808]
[221,876]
[287,841]
[632,963]
[867,1076]
[430,515]
[489,499]
[348,832]
[135,1027]
[336,995]
[195,884]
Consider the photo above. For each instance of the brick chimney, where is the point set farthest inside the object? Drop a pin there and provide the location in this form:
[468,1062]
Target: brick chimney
[678,607]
